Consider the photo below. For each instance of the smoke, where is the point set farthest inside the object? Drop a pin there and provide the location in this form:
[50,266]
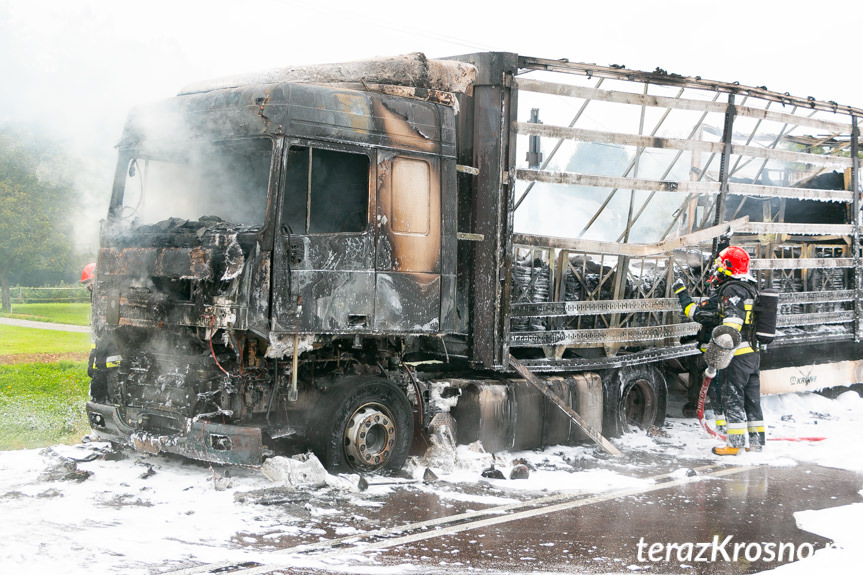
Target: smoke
[208,180]
[74,69]
[68,67]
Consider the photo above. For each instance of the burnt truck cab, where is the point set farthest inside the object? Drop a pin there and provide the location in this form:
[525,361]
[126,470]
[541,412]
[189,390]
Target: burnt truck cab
[254,222]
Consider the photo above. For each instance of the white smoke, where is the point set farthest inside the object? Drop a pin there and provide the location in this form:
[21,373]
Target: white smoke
[74,69]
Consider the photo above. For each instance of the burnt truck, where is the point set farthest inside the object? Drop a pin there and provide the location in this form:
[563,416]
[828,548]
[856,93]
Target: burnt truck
[348,258]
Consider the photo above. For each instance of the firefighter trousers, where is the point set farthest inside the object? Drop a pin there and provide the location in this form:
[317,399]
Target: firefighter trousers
[741,401]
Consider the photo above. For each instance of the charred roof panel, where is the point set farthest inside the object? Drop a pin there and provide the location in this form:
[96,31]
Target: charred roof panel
[300,110]
[405,70]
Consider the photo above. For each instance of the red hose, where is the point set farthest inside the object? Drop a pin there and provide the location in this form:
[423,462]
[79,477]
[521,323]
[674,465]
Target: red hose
[797,439]
[702,395]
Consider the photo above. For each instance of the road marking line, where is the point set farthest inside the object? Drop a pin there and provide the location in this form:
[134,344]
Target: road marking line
[541,506]
[521,515]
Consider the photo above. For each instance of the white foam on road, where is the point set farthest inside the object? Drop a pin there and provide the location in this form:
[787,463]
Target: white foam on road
[126,519]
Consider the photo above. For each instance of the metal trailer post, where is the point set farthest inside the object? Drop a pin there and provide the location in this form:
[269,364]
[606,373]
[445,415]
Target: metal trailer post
[727,136]
[534,152]
[855,190]
[494,106]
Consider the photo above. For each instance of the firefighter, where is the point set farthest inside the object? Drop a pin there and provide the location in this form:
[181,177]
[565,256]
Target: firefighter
[88,276]
[99,363]
[731,303]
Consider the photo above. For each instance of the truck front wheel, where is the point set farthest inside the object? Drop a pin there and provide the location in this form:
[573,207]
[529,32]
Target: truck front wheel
[365,425]
[635,398]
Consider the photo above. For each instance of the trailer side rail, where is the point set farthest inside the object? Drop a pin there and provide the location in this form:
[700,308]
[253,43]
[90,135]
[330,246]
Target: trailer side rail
[645,173]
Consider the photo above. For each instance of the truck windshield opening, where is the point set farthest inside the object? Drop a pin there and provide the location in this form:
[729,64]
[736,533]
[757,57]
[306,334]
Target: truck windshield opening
[228,180]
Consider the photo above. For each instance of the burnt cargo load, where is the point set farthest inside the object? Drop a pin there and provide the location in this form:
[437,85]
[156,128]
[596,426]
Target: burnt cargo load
[351,258]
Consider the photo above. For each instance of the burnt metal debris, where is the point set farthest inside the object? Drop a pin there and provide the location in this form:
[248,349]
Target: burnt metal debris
[326,257]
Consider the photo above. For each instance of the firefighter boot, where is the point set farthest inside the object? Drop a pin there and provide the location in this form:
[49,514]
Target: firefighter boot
[736,439]
[754,443]
[756,436]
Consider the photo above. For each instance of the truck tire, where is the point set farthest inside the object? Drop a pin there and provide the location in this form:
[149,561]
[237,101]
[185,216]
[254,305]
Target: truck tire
[635,398]
[364,425]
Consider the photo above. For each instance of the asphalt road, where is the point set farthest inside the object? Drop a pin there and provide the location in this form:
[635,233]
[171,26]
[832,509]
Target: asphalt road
[44,325]
[673,524]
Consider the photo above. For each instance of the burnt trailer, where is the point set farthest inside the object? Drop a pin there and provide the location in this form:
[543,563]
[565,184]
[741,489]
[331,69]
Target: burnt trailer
[344,257]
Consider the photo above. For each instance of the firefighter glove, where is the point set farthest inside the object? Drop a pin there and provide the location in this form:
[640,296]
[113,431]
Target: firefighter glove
[686,302]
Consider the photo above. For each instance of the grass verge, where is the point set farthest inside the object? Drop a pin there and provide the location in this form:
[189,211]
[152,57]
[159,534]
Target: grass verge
[42,399]
[22,340]
[68,313]
[42,404]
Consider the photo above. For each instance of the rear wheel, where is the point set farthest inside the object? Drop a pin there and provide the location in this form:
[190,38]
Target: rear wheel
[364,426]
[635,398]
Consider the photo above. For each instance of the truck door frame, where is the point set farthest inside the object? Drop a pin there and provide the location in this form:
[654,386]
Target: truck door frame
[329,273]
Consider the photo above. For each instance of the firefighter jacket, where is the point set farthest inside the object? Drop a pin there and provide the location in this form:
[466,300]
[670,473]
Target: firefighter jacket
[730,304]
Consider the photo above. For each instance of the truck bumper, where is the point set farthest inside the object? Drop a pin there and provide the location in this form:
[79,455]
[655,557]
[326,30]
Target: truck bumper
[203,440]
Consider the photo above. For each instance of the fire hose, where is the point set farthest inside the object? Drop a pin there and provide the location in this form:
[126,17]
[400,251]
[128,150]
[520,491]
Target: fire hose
[718,355]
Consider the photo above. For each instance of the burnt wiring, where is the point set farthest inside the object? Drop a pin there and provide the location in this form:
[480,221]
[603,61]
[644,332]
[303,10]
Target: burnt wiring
[212,351]
[235,341]
[275,389]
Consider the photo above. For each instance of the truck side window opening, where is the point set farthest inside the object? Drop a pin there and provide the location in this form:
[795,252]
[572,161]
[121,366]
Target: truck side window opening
[229,180]
[326,191]
[411,189]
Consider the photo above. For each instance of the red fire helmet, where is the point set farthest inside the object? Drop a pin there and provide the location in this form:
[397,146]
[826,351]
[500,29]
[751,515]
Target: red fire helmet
[89,273]
[733,261]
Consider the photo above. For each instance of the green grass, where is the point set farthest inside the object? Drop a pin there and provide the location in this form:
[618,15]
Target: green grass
[42,404]
[16,340]
[68,313]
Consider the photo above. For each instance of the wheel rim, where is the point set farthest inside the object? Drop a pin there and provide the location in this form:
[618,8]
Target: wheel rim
[639,405]
[370,437]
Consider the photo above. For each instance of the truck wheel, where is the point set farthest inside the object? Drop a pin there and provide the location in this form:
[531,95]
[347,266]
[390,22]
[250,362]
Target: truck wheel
[634,399]
[363,426]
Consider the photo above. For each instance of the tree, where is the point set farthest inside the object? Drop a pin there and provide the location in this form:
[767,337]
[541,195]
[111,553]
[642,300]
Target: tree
[34,208]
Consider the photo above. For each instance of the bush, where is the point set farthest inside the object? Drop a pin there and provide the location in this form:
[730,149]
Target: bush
[57,294]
